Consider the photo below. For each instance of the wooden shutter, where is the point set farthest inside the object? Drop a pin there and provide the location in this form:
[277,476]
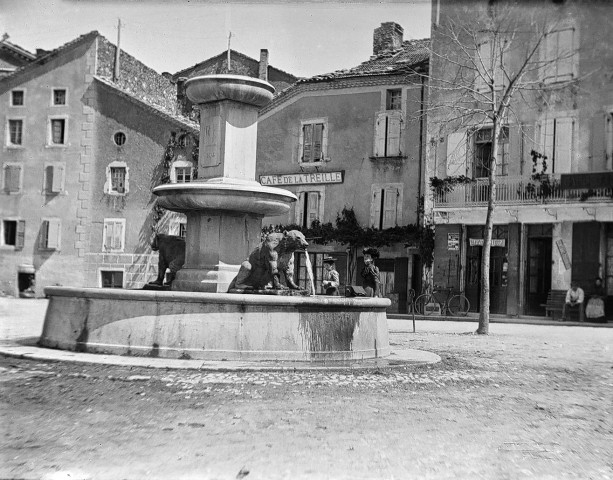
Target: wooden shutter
[563,145]
[12,179]
[483,62]
[312,207]
[300,208]
[379,142]
[57,174]
[394,124]
[609,141]
[565,55]
[307,145]
[318,137]
[546,142]
[44,234]
[551,49]
[117,236]
[20,234]
[456,154]
[390,206]
[53,233]
[375,207]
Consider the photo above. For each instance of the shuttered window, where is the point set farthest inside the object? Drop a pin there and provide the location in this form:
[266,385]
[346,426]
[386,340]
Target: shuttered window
[12,178]
[556,141]
[609,141]
[455,163]
[54,178]
[50,234]
[386,203]
[489,67]
[313,142]
[560,58]
[13,233]
[58,131]
[308,208]
[15,132]
[114,234]
[388,127]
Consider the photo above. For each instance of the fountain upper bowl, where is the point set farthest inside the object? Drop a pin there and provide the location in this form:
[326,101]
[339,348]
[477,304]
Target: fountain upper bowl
[214,88]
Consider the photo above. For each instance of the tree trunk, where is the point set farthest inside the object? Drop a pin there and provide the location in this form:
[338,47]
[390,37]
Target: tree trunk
[484,307]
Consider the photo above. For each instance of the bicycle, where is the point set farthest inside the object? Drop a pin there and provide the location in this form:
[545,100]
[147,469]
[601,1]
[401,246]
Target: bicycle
[453,305]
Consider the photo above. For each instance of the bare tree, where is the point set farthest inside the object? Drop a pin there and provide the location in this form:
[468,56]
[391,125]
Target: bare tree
[489,61]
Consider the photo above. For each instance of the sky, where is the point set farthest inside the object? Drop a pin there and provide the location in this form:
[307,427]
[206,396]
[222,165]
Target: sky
[304,38]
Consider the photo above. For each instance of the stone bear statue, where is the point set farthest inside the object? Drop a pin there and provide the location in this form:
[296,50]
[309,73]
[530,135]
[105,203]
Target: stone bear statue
[171,255]
[265,264]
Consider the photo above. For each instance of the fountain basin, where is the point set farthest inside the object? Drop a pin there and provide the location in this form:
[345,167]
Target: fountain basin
[243,197]
[209,326]
[213,88]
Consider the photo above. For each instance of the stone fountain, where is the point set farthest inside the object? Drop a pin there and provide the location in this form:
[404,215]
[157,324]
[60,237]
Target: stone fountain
[198,319]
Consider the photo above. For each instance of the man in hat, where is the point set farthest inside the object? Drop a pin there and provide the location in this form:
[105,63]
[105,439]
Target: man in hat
[331,278]
[370,273]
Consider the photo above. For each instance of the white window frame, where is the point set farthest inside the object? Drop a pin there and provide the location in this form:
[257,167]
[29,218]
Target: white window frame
[503,152]
[7,141]
[50,143]
[5,167]
[181,163]
[377,219]
[299,205]
[548,142]
[550,73]
[103,269]
[11,98]
[388,91]
[174,225]
[108,185]
[17,246]
[324,140]
[52,99]
[53,225]
[106,223]
[58,179]
[113,138]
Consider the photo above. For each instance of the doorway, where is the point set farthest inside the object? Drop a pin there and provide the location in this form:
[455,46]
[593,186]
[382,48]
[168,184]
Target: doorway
[538,271]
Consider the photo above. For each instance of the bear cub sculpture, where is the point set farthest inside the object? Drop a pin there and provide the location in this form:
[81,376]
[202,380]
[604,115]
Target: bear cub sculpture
[265,264]
[171,255]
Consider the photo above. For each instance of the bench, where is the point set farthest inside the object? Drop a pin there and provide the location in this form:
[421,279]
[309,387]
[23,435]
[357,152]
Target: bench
[555,303]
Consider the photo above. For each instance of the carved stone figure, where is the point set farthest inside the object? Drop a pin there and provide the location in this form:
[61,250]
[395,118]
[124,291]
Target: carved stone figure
[171,255]
[265,264]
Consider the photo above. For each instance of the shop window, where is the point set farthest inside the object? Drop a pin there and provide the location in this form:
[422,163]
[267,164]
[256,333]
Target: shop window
[54,178]
[15,133]
[119,138]
[13,233]
[50,234]
[113,235]
[17,98]
[12,178]
[59,96]
[309,206]
[556,141]
[388,127]
[386,205]
[111,278]
[117,178]
[57,131]
[559,56]
[313,141]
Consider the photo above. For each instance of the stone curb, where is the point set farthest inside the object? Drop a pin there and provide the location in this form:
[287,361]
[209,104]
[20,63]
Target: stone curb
[501,319]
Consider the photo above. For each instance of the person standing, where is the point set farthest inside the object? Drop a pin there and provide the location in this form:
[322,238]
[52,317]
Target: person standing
[370,272]
[331,279]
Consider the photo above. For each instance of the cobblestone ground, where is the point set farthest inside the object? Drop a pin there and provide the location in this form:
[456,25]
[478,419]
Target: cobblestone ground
[524,402]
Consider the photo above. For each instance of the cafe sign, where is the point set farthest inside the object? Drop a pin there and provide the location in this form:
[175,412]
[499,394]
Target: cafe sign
[302,178]
[496,242]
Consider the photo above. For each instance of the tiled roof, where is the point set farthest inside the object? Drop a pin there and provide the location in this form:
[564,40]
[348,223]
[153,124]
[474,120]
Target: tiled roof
[405,59]
[17,50]
[173,117]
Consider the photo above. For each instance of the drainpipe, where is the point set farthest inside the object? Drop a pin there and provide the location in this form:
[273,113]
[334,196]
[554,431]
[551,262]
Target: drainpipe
[421,138]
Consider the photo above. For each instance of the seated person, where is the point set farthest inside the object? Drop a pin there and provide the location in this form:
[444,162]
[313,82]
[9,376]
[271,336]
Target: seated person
[574,299]
[594,310]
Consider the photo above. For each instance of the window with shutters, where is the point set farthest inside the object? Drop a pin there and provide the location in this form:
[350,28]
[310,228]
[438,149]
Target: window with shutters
[482,148]
[489,67]
[559,55]
[18,98]
[54,178]
[57,132]
[556,137]
[609,141]
[113,235]
[111,278]
[14,132]
[310,205]
[386,205]
[313,142]
[58,97]
[388,129]
[117,178]
[13,233]
[50,234]
[12,178]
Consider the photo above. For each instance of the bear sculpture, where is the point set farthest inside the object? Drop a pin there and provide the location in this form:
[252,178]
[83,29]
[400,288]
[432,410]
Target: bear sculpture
[265,264]
[171,255]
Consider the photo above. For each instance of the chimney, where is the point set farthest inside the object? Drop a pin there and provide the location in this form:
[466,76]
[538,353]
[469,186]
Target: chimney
[387,37]
[263,73]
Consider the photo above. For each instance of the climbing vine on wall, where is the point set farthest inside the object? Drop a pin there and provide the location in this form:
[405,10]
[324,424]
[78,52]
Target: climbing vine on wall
[447,184]
[347,231]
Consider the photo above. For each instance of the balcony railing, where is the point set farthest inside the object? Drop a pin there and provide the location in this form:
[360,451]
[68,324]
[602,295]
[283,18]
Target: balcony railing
[525,191]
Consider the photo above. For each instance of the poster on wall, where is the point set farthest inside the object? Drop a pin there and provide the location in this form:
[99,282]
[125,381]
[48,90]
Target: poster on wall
[453,241]
[563,253]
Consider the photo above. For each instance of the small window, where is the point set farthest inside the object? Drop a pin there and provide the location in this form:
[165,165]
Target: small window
[59,96]
[17,98]
[58,131]
[15,136]
[183,229]
[50,234]
[183,174]
[313,141]
[114,234]
[13,233]
[119,138]
[118,179]
[394,100]
[111,278]
[12,178]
